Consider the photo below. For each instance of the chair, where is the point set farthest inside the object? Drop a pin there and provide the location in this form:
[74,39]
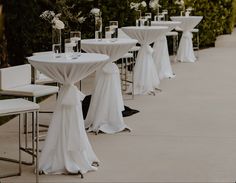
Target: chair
[127,61]
[19,107]
[16,81]
[38,77]
[175,37]
[196,42]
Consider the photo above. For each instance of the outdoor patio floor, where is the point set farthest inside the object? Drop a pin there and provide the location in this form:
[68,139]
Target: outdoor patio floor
[186,133]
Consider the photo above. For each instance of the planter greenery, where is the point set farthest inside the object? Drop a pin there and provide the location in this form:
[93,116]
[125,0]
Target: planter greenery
[26,32]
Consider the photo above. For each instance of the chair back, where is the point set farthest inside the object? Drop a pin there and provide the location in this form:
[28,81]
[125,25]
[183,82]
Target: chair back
[15,76]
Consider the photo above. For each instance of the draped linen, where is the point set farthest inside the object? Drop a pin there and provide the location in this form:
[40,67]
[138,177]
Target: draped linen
[185,52]
[105,111]
[160,51]
[146,78]
[67,148]
[162,59]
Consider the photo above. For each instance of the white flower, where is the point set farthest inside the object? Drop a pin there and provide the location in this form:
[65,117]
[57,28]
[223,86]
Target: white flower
[53,18]
[143,4]
[189,9]
[137,6]
[57,24]
[154,4]
[81,19]
[180,2]
[95,12]
[134,6]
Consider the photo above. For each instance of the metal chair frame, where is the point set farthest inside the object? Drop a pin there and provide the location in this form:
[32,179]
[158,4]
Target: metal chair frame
[35,142]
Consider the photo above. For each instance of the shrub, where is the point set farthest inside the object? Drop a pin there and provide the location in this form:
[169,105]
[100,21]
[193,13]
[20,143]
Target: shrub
[27,33]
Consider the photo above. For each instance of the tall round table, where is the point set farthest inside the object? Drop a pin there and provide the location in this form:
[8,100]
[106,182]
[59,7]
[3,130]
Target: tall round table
[67,148]
[106,106]
[185,50]
[160,51]
[146,79]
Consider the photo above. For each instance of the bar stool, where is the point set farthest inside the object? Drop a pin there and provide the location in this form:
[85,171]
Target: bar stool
[197,42]
[19,107]
[16,81]
[175,37]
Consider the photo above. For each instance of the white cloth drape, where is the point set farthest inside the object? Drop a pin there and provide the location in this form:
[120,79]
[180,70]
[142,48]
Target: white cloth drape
[185,52]
[161,58]
[145,74]
[146,79]
[67,148]
[160,51]
[106,106]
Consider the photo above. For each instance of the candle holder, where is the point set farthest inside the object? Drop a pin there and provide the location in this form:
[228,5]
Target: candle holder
[114,29]
[98,27]
[75,37]
[56,39]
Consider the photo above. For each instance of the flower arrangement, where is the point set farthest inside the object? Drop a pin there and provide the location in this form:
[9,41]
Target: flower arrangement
[95,12]
[53,18]
[154,4]
[137,6]
[181,4]
[98,21]
[189,9]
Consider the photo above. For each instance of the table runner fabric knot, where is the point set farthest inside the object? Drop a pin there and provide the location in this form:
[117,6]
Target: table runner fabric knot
[148,48]
[145,82]
[70,95]
[110,68]
[187,35]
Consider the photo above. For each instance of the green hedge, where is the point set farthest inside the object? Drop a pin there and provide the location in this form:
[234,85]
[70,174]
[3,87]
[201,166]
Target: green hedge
[27,33]
[218,17]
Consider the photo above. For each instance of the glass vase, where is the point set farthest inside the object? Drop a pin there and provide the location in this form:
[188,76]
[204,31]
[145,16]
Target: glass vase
[56,42]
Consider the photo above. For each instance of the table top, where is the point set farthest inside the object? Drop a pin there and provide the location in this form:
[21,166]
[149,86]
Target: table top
[170,24]
[145,34]
[84,58]
[117,41]
[114,49]
[64,70]
[145,28]
[187,22]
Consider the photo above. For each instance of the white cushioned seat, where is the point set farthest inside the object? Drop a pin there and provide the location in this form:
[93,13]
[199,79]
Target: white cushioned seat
[127,55]
[172,33]
[14,106]
[30,90]
[20,107]
[17,81]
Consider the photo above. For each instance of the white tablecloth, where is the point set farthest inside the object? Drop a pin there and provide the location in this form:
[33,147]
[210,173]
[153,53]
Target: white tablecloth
[67,148]
[106,106]
[160,51]
[185,50]
[146,79]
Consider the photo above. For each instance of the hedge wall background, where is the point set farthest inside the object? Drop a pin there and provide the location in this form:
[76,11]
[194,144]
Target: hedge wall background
[26,33]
